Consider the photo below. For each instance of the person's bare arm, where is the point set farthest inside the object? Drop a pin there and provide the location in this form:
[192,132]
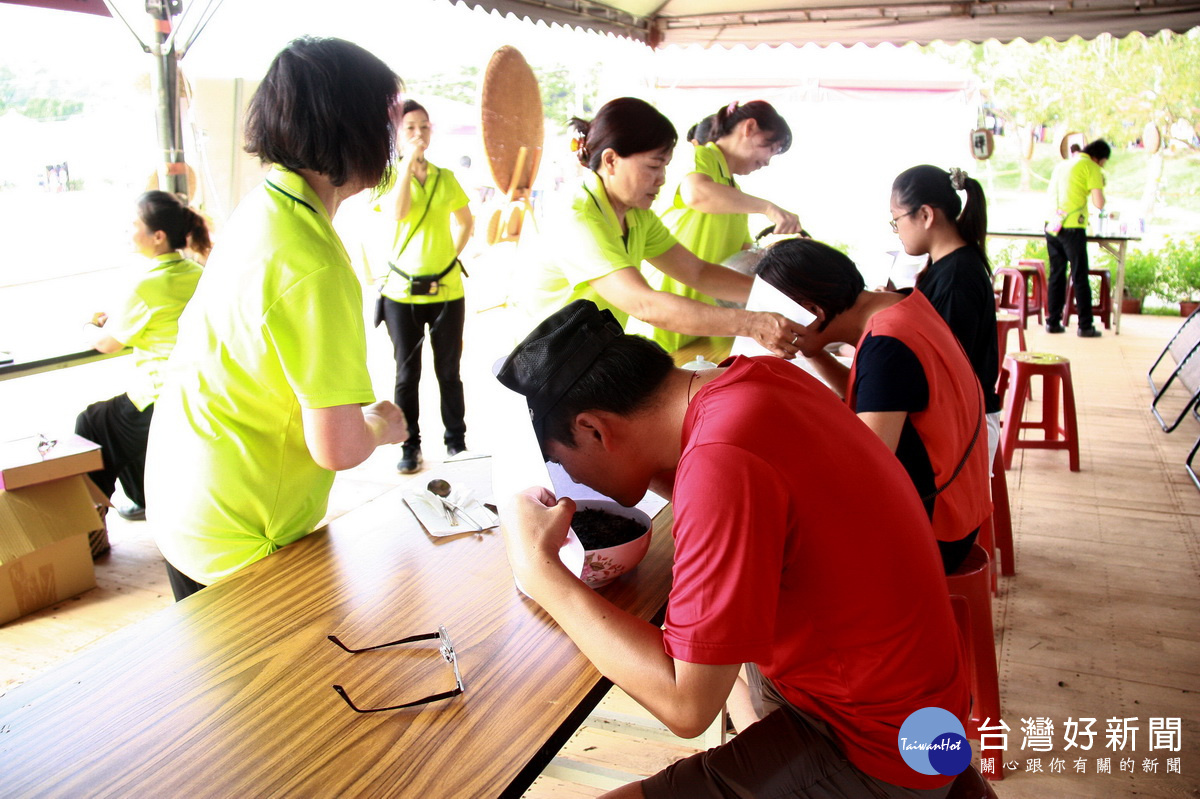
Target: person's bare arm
[684,696]
[627,289]
[1098,199]
[343,436]
[701,192]
[465,221]
[712,279]
[885,424]
[832,371]
[96,338]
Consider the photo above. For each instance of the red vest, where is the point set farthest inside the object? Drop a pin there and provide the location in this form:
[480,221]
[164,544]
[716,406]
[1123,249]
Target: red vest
[952,419]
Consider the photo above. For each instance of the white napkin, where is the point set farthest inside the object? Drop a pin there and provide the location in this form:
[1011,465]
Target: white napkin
[472,517]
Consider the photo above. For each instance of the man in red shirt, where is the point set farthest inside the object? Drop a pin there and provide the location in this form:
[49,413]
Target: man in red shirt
[800,547]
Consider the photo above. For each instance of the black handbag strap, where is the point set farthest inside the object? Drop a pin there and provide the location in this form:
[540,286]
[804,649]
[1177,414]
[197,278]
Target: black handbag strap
[413,230]
[438,276]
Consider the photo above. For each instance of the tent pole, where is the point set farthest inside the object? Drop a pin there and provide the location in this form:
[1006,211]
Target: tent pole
[164,79]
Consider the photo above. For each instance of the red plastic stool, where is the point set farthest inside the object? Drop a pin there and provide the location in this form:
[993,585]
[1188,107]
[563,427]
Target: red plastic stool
[1006,322]
[1037,276]
[1023,291]
[971,595]
[1002,535]
[1055,372]
[1101,300]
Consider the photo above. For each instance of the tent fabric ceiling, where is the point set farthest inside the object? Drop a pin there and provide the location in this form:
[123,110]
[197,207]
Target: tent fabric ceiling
[798,22]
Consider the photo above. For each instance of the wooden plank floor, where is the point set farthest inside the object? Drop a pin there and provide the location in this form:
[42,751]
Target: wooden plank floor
[1100,620]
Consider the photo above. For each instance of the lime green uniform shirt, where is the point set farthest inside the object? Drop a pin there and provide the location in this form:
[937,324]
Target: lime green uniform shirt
[712,237]
[1072,188]
[423,244]
[276,325]
[584,242]
[148,321]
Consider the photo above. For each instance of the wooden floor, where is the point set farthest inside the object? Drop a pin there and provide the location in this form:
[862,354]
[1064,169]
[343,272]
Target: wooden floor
[1100,621]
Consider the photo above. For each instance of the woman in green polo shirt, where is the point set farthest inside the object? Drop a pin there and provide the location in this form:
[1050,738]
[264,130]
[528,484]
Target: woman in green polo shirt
[593,248]
[424,289]
[148,321]
[268,392]
[709,214]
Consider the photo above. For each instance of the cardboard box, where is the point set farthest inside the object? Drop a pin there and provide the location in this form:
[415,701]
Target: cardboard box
[46,514]
[21,464]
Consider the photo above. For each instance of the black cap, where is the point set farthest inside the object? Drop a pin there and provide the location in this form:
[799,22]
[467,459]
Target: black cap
[553,357]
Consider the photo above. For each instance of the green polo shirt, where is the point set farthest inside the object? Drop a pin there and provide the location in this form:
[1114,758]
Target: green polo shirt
[275,326]
[583,242]
[148,321]
[423,243]
[1071,189]
[712,237]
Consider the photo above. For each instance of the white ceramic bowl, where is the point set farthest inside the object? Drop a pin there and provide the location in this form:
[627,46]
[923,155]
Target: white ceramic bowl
[602,566]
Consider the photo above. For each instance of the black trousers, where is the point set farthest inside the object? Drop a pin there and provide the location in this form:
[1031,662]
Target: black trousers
[406,324]
[182,586]
[1069,246]
[121,430]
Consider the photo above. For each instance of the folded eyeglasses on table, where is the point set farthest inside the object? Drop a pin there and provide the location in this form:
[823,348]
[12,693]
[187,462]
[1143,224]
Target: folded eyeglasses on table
[445,646]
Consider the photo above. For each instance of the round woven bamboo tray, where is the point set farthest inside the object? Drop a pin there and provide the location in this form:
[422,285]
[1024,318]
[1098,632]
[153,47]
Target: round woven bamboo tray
[511,108]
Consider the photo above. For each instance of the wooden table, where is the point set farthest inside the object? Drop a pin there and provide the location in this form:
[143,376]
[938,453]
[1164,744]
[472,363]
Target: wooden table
[228,693]
[1114,245]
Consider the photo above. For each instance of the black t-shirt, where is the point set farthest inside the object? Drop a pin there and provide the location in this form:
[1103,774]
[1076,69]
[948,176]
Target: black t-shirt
[959,287]
[888,377]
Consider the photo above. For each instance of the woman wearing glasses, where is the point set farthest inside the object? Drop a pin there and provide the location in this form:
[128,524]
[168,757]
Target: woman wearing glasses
[593,249]
[268,393]
[709,214]
[932,220]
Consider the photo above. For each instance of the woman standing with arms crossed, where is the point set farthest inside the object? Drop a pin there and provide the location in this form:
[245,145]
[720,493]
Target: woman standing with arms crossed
[931,219]
[148,321]
[424,287]
[709,214]
[593,249]
[264,400]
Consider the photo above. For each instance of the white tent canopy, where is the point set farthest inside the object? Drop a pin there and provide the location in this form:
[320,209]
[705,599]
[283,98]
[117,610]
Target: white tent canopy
[732,22]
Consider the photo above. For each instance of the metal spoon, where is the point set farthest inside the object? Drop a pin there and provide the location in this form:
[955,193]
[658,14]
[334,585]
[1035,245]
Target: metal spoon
[441,489]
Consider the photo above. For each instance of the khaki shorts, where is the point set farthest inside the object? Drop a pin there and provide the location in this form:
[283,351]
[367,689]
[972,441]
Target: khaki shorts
[786,754]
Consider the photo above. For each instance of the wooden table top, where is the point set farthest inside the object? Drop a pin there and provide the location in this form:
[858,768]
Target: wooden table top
[229,693]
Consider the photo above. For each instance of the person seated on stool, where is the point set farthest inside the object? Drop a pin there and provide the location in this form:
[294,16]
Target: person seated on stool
[910,382]
[800,547]
[148,321]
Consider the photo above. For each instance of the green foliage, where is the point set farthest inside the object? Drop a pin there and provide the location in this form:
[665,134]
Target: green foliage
[1105,87]
[1141,271]
[1179,268]
[1007,252]
[462,85]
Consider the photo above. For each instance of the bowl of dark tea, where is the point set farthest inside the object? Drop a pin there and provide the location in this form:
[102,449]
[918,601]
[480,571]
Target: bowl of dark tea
[614,538]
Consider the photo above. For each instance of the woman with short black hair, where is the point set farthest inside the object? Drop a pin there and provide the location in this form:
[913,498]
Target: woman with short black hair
[267,387]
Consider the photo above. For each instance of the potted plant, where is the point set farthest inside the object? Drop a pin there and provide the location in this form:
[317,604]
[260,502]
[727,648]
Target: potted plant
[1180,272]
[1141,276]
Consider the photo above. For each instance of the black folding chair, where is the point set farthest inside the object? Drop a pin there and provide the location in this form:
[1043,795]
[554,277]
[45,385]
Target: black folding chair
[1181,346]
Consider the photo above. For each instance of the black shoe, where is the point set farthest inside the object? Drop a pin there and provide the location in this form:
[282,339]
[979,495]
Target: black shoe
[1055,327]
[457,448]
[1088,332]
[132,512]
[410,459]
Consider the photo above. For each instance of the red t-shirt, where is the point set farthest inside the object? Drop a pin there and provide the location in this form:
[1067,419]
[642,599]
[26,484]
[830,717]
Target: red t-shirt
[801,546]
